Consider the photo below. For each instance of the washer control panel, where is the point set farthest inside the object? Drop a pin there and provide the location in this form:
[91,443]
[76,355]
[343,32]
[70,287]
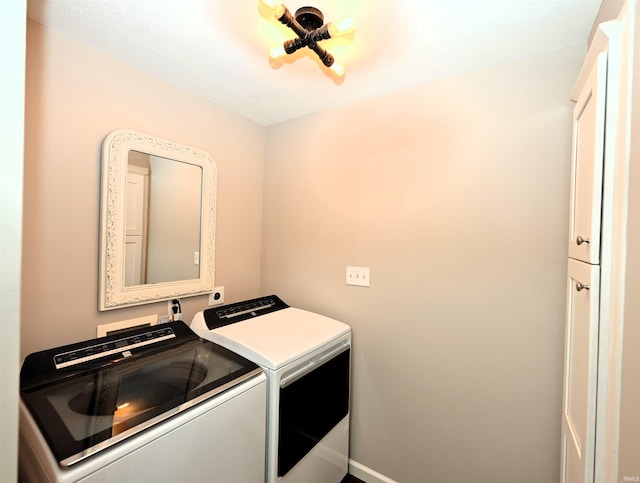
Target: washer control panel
[237,312]
[106,348]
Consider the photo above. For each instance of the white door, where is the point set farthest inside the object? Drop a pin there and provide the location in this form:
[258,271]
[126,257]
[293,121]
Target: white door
[587,159]
[580,373]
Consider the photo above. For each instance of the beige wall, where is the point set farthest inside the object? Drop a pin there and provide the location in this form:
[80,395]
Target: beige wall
[75,97]
[455,194]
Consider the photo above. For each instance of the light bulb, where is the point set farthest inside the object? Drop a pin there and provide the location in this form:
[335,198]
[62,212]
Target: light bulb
[277,52]
[275,6]
[344,27]
[337,69]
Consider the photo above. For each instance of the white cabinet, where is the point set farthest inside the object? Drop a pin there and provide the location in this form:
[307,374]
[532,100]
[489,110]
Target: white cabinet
[135,246]
[593,231]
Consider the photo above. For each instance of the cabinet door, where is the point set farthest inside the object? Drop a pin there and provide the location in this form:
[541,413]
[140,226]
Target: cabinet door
[133,261]
[580,373]
[135,203]
[587,162]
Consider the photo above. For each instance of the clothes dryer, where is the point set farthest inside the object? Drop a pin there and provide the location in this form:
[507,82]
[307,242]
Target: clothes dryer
[307,359]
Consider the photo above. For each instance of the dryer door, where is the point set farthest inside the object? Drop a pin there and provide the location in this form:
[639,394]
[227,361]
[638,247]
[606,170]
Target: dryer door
[313,400]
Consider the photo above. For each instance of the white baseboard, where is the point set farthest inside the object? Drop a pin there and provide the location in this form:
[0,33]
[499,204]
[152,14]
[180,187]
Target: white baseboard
[367,474]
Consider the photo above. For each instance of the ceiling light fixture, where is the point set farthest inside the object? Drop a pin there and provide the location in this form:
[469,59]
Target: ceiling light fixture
[308,24]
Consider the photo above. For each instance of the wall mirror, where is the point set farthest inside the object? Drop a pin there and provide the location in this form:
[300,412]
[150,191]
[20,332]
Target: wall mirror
[157,220]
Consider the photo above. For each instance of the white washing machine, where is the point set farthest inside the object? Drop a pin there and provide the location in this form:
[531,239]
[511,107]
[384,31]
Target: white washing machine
[157,404]
[307,358]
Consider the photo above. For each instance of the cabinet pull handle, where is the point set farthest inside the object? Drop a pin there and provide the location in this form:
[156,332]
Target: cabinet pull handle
[581,240]
[581,286]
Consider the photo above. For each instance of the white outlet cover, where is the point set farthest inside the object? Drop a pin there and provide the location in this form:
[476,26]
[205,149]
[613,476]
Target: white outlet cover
[217,296]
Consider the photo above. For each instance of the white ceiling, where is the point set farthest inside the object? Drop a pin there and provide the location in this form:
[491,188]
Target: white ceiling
[218,49]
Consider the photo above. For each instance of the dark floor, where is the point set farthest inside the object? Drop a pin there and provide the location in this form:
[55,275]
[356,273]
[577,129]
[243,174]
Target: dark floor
[351,479]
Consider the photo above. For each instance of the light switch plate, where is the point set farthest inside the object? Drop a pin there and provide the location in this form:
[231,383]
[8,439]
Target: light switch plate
[360,276]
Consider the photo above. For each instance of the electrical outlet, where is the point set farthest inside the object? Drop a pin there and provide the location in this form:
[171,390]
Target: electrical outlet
[170,313]
[360,276]
[217,296]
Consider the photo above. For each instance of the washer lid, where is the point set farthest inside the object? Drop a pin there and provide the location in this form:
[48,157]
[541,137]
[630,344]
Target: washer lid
[275,339]
[88,396]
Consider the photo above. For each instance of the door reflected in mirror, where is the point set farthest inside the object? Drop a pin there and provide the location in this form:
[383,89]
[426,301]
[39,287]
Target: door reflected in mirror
[162,234]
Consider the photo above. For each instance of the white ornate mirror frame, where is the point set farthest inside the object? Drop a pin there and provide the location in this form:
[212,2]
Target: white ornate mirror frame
[113,293]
